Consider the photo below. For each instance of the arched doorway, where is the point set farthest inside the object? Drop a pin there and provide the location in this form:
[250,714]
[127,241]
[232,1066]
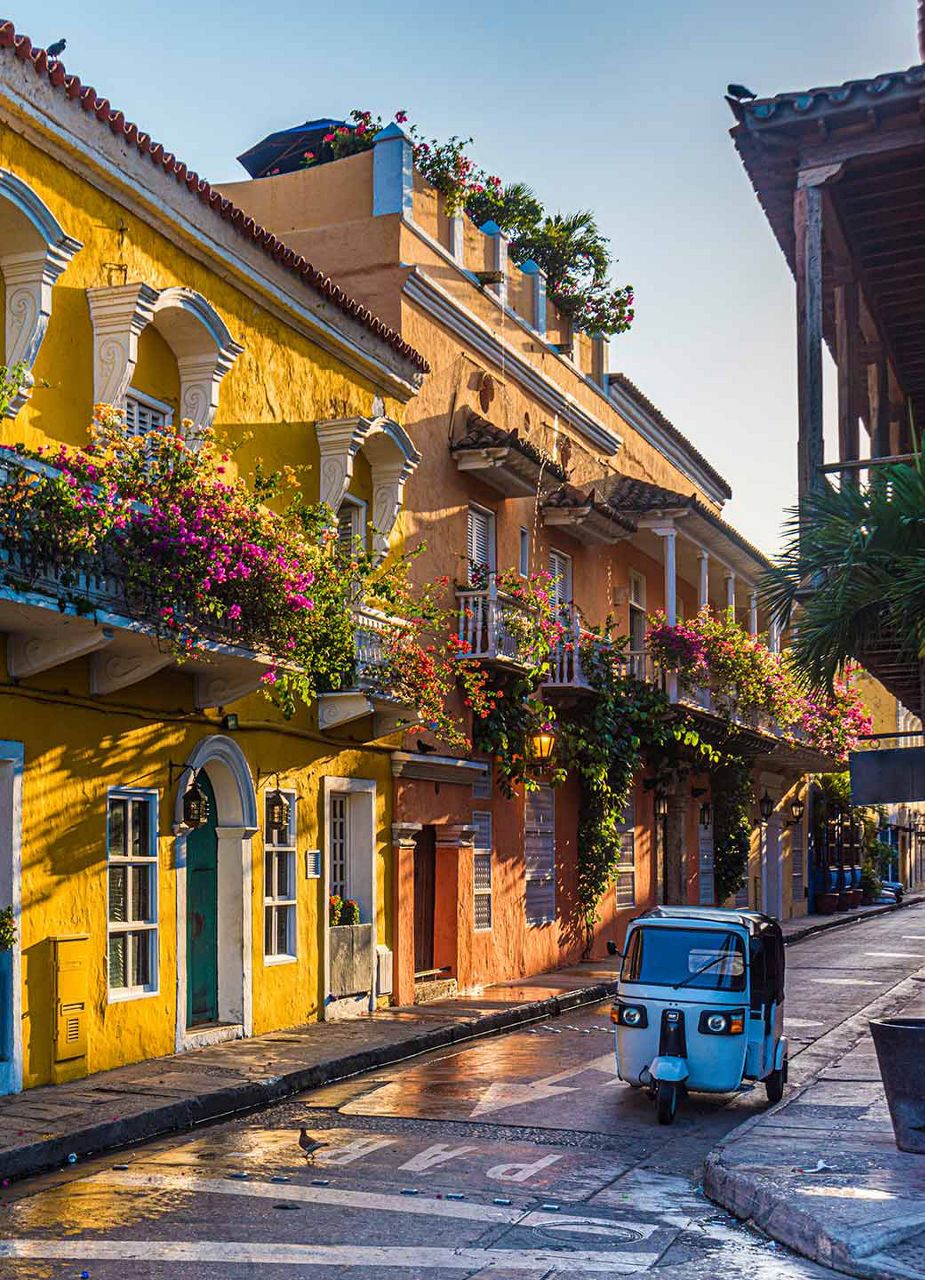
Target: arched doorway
[214,898]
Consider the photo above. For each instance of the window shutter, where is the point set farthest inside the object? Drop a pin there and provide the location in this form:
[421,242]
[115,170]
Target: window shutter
[479,549]
[140,418]
[481,869]
[560,568]
[540,851]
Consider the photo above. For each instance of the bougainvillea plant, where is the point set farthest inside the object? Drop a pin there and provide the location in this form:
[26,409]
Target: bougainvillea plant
[712,649]
[200,557]
[7,929]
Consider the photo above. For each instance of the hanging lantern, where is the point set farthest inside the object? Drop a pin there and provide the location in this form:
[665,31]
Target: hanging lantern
[277,811]
[797,809]
[195,806]
[661,805]
[765,807]
[706,814]
[543,744]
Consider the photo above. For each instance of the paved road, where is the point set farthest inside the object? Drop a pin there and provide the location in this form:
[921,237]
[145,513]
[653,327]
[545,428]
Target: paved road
[519,1155]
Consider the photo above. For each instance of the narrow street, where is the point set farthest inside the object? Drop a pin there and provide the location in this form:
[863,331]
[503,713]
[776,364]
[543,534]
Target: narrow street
[517,1155]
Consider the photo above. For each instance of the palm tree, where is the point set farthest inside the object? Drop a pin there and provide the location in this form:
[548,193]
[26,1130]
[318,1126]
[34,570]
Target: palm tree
[569,248]
[852,574]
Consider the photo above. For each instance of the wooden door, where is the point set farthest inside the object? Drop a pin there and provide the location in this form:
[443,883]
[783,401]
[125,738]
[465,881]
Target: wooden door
[202,917]
[425,874]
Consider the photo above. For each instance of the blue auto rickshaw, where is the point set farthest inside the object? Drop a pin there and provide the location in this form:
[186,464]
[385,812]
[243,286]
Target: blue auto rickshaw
[700,1004]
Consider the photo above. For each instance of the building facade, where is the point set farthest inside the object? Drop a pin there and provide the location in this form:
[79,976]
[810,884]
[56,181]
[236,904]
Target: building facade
[534,457]
[129,280]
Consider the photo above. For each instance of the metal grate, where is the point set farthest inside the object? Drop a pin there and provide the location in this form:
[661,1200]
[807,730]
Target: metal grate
[339,845]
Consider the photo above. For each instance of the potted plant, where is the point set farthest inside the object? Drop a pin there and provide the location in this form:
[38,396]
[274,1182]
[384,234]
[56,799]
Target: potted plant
[351,949]
[900,1045]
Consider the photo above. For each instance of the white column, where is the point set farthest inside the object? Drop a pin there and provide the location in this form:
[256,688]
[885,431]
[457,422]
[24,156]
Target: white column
[671,581]
[731,594]
[704,596]
[753,613]
[774,637]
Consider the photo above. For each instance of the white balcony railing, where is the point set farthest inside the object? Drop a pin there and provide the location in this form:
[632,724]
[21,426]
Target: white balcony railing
[485,624]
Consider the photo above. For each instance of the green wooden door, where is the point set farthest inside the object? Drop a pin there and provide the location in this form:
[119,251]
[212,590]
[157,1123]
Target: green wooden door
[202,917]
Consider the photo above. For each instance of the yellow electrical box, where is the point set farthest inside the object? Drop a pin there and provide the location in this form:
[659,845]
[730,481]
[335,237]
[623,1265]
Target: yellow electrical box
[70,958]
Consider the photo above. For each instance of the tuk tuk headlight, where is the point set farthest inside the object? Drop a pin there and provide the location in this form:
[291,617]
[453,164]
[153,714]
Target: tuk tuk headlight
[629,1015]
[731,1022]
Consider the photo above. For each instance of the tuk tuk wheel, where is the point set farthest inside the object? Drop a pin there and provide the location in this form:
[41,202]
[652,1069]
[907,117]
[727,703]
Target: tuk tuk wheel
[774,1083]
[666,1101]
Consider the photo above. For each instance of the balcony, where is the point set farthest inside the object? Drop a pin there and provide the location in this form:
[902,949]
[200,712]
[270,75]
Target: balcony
[367,694]
[488,625]
[53,615]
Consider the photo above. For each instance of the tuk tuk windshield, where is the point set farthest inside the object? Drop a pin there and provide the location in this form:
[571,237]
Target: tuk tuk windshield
[707,958]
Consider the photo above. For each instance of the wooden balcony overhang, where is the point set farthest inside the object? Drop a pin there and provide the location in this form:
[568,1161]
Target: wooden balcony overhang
[585,516]
[503,460]
[434,768]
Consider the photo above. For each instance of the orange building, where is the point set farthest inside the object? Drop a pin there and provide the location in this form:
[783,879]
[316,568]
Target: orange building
[533,456]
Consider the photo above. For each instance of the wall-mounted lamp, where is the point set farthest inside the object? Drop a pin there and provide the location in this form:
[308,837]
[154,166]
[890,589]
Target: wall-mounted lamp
[706,814]
[797,809]
[195,806]
[543,744]
[765,807]
[661,805]
[277,810]
[230,721]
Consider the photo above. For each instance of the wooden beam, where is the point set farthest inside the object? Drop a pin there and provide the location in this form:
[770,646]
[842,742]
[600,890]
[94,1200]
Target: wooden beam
[807,226]
[879,143]
[846,345]
[879,394]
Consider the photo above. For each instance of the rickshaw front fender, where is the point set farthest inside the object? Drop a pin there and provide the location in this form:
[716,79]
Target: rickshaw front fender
[781,1054]
[672,1070]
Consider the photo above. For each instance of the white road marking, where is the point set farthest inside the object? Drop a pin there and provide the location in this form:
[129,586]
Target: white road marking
[467,1211]
[896,955]
[801,1022]
[537,1261]
[913,937]
[847,982]
[498,1097]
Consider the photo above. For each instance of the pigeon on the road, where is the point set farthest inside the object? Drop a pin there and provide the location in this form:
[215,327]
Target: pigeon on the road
[311,1146]
[55,50]
[740,93]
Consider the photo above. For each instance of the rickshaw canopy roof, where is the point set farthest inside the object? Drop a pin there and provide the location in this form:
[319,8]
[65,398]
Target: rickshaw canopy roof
[756,924]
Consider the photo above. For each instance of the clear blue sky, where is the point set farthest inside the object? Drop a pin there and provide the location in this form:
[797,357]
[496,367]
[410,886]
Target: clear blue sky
[612,105]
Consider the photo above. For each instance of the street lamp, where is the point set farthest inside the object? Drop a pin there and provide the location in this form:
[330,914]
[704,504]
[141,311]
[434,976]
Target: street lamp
[195,806]
[765,807]
[543,744]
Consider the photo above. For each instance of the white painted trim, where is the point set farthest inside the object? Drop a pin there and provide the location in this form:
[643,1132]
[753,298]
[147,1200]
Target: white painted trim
[353,787]
[116,168]
[11,775]
[118,995]
[238,823]
[466,325]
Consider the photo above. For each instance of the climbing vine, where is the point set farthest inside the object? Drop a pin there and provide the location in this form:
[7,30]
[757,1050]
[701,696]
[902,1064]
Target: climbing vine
[732,794]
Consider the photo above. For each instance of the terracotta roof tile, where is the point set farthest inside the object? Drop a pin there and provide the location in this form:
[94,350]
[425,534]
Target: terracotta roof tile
[570,497]
[480,434]
[54,71]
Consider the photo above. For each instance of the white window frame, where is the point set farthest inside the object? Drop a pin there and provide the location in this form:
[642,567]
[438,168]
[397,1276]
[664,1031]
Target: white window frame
[548,877]
[147,402]
[151,927]
[626,865]
[340,801]
[273,851]
[523,563]
[474,508]
[483,852]
[357,509]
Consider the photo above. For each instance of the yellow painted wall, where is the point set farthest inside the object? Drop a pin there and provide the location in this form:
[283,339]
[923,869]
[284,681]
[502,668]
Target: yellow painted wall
[76,747]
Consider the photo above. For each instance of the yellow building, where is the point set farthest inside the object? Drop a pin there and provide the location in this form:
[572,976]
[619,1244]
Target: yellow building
[128,280]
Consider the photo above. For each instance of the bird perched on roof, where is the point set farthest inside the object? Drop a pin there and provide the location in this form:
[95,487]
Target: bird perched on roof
[739,92]
[55,50]
[425,748]
[311,1146]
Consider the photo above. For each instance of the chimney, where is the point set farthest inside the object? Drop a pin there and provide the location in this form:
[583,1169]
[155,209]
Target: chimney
[921,30]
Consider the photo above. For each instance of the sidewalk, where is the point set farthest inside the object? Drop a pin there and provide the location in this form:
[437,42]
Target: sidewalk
[41,1128]
[820,1172]
[805,926]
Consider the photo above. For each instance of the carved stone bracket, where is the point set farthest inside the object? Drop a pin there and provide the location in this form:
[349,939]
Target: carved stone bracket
[224,685]
[28,654]
[118,313]
[35,252]
[110,672]
[339,442]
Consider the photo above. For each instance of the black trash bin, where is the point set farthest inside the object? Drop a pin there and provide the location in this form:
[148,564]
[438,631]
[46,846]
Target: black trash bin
[900,1045]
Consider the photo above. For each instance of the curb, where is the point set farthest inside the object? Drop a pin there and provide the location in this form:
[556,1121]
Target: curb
[175,1117]
[757,1199]
[843,921]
